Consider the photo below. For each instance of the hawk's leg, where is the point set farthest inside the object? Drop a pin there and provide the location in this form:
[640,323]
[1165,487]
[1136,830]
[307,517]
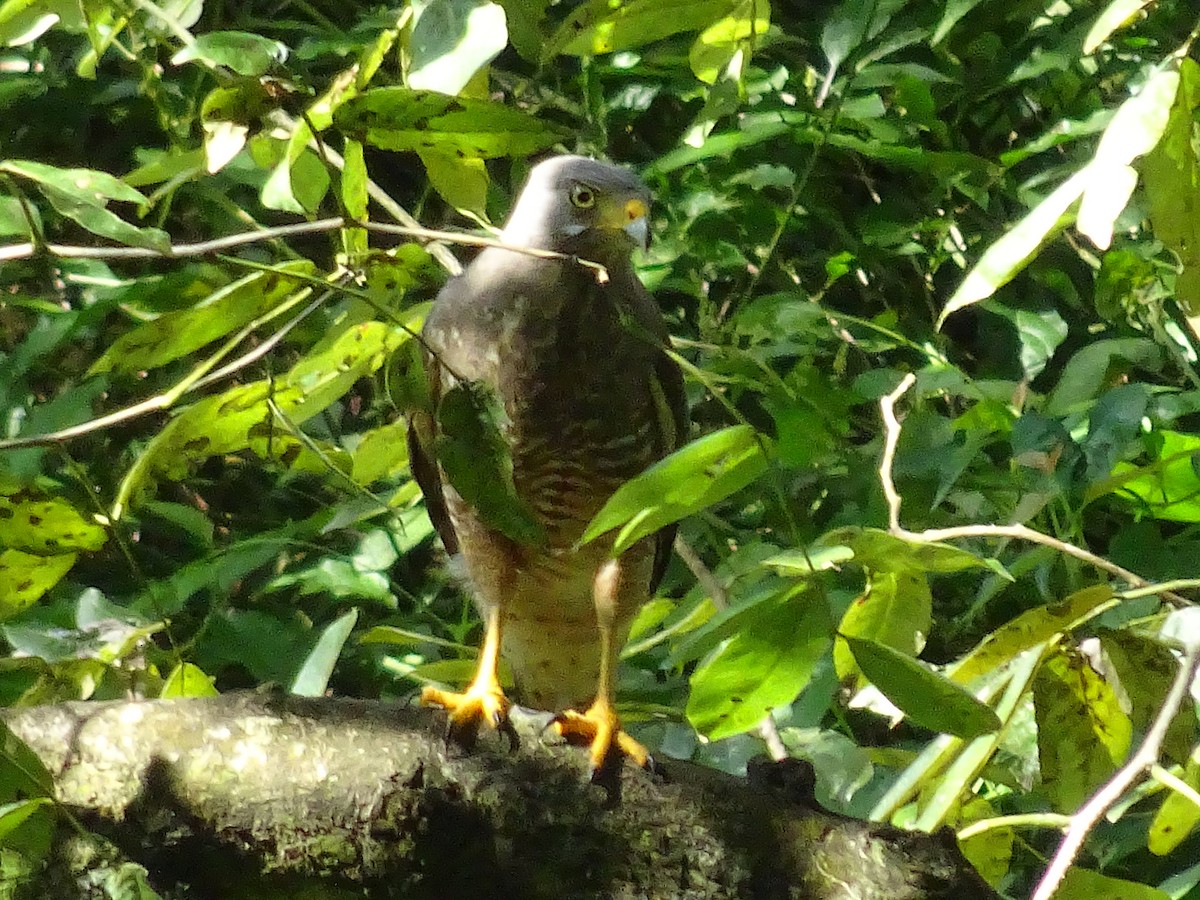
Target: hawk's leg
[600,726]
[483,700]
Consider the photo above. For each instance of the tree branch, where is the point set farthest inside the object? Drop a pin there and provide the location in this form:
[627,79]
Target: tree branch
[265,792]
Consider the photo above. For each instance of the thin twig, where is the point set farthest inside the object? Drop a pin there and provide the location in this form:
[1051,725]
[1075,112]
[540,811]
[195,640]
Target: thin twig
[1175,783]
[29,249]
[1020,820]
[767,729]
[702,573]
[887,406]
[1141,761]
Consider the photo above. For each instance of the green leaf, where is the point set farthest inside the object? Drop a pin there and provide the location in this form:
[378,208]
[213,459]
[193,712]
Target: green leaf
[355,180]
[1167,488]
[1116,15]
[1134,131]
[808,562]
[1146,669]
[24,578]
[927,698]
[240,418]
[605,26]
[1083,735]
[15,814]
[463,183]
[451,41]
[176,334]
[1097,366]
[474,454]
[22,773]
[895,610]
[1171,173]
[1007,256]
[24,21]
[1178,816]
[766,663]
[382,453]
[313,677]
[691,479]
[881,551]
[99,220]
[46,527]
[86,186]
[188,680]
[396,118]
[1031,628]
[719,42]
[247,54]
[1084,884]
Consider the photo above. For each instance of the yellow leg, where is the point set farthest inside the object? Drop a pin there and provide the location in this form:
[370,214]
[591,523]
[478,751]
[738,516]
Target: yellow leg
[483,700]
[600,726]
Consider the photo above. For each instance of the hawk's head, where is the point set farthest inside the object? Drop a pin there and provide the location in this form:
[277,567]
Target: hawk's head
[577,205]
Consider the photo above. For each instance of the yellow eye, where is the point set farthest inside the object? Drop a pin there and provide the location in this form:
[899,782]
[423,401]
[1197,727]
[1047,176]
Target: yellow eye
[583,196]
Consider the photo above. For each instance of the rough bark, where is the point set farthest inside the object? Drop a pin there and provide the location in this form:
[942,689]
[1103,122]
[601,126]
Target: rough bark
[265,795]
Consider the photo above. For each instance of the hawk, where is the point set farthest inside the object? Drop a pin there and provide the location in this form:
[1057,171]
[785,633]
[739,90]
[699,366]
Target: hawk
[574,359]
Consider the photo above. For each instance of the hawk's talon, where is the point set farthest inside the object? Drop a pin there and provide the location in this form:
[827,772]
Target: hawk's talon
[478,704]
[600,728]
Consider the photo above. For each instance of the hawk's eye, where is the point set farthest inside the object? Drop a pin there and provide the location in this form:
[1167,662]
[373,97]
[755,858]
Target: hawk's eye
[583,196]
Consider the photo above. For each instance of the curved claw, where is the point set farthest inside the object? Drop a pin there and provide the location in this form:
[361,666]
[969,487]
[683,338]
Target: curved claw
[479,704]
[600,728]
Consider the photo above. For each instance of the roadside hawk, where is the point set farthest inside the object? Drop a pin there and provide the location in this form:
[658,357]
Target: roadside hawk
[575,359]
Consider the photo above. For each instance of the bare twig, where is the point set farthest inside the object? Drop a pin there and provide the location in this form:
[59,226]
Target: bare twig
[29,249]
[1143,760]
[891,424]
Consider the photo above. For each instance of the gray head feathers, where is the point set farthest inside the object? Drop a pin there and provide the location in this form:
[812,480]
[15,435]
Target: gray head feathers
[582,206]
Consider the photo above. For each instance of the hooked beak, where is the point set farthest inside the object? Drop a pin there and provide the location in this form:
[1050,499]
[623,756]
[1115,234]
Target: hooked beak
[635,224]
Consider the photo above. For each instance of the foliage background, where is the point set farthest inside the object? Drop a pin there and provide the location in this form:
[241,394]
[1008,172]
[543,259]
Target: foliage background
[996,197]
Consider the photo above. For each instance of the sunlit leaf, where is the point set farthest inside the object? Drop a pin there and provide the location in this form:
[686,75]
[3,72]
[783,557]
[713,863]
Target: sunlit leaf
[1167,487]
[176,334]
[396,118]
[1008,255]
[1029,629]
[1083,734]
[766,663]
[46,526]
[692,478]
[243,52]
[452,40]
[1134,131]
[313,677]
[1171,173]
[1178,816]
[241,418]
[24,578]
[895,610]
[188,680]
[604,26]
[717,44]
[926,697]
[1085,884]
[86,186]
[1147,668]
[1117,14]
